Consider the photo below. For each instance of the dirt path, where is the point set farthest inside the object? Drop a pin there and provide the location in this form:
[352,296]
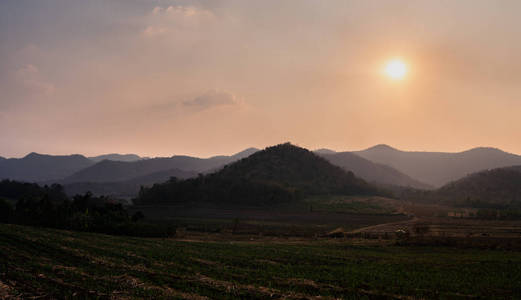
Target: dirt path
[380,227]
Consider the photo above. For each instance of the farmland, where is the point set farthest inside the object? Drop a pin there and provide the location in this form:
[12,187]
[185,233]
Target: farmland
[52,263]
[308,219]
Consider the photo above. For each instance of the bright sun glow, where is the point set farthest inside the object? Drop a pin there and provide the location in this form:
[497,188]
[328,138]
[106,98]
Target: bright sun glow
[395,69]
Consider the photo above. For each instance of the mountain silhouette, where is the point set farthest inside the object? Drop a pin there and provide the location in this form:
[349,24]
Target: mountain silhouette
[439,168]
[113,171]
[324,151]
[277,174]
[40,167]
[372,172]
[116,157]
[295,167]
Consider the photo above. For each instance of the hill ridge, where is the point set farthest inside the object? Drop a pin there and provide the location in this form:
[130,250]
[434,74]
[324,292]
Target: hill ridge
[439,168]
[278,173]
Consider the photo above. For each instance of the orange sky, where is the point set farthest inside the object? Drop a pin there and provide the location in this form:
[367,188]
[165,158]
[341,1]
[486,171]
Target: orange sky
[159,78]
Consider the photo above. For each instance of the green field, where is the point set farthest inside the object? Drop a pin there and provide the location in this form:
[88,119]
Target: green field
[59,264]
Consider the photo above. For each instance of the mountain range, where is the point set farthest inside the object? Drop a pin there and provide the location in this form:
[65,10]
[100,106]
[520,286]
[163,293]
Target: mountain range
[439,168]
[123,174]
[277,174]
[370,171]
[116,157]
[40,167]
[113,171]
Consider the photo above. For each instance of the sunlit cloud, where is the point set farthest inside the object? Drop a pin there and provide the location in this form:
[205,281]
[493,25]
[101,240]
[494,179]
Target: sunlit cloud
[152,31]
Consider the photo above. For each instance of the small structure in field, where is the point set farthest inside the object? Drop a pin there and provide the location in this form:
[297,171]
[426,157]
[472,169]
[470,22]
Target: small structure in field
[459,214]
[402,234]
[337,233]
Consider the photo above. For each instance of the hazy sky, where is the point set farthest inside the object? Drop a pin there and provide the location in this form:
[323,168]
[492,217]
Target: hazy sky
[159,78]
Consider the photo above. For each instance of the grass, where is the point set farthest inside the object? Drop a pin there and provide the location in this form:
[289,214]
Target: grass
[62,264]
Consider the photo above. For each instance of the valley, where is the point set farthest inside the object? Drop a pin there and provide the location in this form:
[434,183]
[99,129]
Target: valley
[232,149]
[282,222]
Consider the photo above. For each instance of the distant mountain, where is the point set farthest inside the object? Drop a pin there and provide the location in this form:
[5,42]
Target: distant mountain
[40,167]
[116,157]
[277,174]
[514,168]
[240,155]
[497,188]
[113,171]
[439,168]
[372,172]
[2,158]
[324,151]
[162,176]
[128,188]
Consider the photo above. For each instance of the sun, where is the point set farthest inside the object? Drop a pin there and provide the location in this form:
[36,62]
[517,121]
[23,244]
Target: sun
[396,69]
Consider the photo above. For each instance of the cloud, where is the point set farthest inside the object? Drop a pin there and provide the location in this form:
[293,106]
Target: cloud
[30,79]
[152,31]
[212,99]
[27,70]
[157,10]
[164,20]
[183,12]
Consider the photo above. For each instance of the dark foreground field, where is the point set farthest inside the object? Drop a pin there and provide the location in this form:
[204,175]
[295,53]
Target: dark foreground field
[59,264]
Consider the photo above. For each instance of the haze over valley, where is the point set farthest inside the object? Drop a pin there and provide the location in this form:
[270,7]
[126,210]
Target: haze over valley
[240,149]
[380,164]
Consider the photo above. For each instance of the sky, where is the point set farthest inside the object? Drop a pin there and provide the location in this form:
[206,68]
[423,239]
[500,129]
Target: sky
[161,78]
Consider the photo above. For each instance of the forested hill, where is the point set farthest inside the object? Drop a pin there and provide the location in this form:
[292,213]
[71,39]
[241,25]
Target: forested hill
[296,167]
[440,168]
[14,191]
[279,173]
[497,188]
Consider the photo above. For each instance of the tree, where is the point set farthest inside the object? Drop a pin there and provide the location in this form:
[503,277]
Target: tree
[6,211]
[138,216]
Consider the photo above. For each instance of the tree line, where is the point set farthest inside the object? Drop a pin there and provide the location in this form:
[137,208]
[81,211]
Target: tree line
[48,206]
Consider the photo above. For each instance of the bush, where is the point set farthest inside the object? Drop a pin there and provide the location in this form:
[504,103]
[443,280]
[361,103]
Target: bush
[138,216]
[6,211]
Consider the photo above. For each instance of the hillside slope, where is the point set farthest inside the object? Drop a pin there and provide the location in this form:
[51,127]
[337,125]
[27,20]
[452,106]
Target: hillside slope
[372,172]
[439,168]
[296,167]
[497,188]
[277,174]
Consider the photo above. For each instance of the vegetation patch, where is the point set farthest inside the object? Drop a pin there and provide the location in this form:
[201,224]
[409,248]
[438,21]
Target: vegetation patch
[89,265]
